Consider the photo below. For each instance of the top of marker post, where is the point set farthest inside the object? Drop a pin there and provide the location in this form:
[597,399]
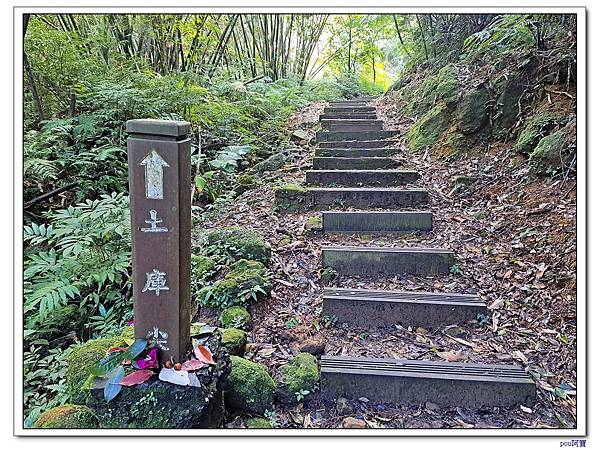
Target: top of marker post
[158,127]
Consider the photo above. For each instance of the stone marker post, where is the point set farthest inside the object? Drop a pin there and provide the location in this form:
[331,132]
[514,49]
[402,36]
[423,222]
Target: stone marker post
[158,153]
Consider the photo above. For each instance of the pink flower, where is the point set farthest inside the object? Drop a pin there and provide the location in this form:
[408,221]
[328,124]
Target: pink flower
[150,362]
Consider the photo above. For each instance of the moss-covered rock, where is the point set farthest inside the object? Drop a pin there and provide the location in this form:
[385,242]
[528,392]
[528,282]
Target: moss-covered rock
[546,157]
[235,317]
[450,145]
[258,422]
[245,182]
[68,416]
[249,387]
[79,362]
[300,376]
[425,133]
[510,89]
[537,127]
[420,97]
[472,113]
[272,163]
[448,85]
[314,223]
[289,197]
[202,267]
[244,282]
[234,340]
[235,243]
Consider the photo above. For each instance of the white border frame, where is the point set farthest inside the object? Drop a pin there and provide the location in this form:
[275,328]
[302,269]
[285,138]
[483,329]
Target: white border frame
[582,387]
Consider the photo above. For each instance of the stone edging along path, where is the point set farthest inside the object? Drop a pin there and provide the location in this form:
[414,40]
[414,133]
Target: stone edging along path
[354,168]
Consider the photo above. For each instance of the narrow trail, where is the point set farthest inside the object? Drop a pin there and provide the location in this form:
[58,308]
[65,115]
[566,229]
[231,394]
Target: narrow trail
[299,315]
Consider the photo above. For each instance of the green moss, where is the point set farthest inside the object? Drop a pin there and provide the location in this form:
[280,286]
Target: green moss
[314,223]
[274,162]
[289,197]
[235,243]
[546,157]
[510,89]
[244,282]
[472,114]
[234,340]
[235,317]
[68,416]
[301,374]
[245,182]
[451,145]
[421,99]
[425,133]
[202,267]
[448,84]
[249,386]
[327,275]
[79,362]
[258,422]
[537,127]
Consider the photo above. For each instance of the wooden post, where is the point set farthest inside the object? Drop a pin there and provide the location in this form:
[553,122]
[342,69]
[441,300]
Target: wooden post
[158,153]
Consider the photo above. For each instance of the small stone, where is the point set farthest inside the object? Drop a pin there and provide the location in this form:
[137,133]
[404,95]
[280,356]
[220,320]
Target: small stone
[343,406]
[422,330]
[432,406]
[314,346]
[353,422]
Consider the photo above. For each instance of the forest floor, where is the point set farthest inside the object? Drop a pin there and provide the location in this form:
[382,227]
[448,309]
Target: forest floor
[514,240]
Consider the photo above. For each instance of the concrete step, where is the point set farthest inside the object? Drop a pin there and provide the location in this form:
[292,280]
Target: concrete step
[379,143]
[350,178]
[345,115]
[353,163]
[376,308]
[332,136]
[348,109]
[352,124]
[413,382]
[348,103]
[378,261]
[376,221]
[366,197]
[356,152]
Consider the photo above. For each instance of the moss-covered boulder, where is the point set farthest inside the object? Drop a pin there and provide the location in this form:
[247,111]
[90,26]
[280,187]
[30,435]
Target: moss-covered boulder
[272,163]
[258,422]
[421,96]
[234,340]
[159,404]
[290,197]
[509,89]
[79,362]
[425,133]
[314,223]
[67,416]
[472,112]
[249,387]
[233,243]
[245,182]
[300,377]
[202,267]
[448,86]
[235,317]
[537,127]
[546,158]
[451,144]
[244,282]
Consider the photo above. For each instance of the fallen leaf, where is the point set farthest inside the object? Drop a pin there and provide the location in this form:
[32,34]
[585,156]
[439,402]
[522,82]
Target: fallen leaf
[179,377]
[452,356]
[204,354]
[192,364]
[137,377]
[497,304]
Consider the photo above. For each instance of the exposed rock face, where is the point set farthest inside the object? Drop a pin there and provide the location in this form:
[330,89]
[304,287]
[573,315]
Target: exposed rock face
[472,113]
[158,404]
[510,90]
[424,134]
[249,387]
[274,162]
[448,87]
[314,345]
[546,157]
[537,127]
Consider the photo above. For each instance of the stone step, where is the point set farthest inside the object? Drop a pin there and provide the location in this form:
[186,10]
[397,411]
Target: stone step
[344,115]
[366,197]
[352,124]
[355,144]
[356,152]
[348,109]
[378,261]
[353,163]
[350,178]
[413,382]
[376,308]
[348,103]
[332,136]
[376,221]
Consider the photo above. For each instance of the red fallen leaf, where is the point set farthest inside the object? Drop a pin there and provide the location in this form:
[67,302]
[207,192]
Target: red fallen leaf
[192,364]
[204,354]
[116,349]
[137,377]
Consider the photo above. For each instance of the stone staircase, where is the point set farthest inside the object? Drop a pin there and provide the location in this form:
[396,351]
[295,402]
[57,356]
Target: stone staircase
[354,172]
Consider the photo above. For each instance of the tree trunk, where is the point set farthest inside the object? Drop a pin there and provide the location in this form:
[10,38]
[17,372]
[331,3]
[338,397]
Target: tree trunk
[30,77]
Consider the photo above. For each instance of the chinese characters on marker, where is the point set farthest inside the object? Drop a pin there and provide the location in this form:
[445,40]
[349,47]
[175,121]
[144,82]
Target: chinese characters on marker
[158,338]
[153,222]
[156,281]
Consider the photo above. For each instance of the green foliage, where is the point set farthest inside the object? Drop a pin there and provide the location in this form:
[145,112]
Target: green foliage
[258,422]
